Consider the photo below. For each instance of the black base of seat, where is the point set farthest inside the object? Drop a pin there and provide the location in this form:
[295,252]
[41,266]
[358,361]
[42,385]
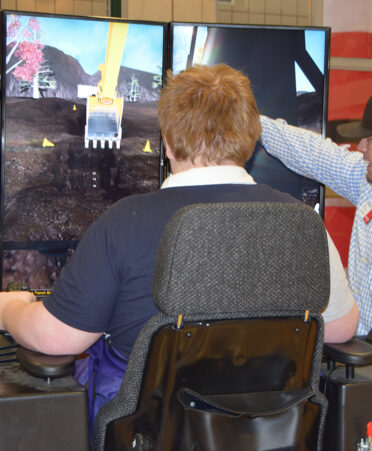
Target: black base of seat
[349,409]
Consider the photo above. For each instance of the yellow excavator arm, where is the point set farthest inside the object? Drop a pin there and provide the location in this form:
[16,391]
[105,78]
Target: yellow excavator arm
[105,110]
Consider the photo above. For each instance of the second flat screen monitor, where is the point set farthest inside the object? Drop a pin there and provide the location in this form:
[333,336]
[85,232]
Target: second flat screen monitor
[288,69]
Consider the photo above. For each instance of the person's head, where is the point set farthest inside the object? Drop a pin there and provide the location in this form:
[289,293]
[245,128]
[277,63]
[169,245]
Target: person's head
[365,146]
[209,116]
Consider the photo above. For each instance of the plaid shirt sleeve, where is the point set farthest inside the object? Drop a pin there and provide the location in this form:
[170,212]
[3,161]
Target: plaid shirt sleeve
[309,154]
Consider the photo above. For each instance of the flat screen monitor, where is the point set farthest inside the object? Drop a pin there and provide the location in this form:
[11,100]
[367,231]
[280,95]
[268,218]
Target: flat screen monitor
[79,125]
[288,70]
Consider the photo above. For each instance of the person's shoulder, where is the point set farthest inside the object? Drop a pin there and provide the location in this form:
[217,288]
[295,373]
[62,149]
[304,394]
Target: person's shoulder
[134,201]
[127,217]
[273,195]
[139,206]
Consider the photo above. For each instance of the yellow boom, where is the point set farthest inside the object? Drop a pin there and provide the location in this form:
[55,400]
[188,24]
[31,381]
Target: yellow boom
[104,111]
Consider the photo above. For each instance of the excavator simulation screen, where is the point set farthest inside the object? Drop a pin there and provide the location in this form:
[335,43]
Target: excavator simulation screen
[80,113]
[80,131]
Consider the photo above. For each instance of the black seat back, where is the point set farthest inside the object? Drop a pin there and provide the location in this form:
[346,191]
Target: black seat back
[242,275]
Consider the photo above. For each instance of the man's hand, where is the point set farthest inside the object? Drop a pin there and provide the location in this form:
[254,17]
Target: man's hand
[363,144]
[12,296]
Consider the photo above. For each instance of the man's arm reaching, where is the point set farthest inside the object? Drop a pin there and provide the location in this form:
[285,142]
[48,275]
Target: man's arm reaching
[309,154]
[32,326]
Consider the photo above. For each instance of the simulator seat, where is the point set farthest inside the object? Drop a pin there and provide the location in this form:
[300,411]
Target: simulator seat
[346,381]
[232,359]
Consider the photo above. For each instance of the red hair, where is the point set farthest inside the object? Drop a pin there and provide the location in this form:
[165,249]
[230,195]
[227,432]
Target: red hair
[211,113]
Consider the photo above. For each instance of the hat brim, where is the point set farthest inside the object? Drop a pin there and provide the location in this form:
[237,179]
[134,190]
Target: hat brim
[353,130]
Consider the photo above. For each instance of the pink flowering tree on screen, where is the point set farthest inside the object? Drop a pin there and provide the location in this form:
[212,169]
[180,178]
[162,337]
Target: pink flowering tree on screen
[25,52]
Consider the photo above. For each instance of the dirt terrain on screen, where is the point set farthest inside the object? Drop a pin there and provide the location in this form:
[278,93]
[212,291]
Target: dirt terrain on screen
[54,193]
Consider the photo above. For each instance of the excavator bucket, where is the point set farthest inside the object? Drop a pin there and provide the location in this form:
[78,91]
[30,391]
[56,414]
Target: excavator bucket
[103,123]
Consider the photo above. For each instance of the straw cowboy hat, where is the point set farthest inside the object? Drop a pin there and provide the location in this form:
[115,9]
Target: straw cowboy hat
[358,129]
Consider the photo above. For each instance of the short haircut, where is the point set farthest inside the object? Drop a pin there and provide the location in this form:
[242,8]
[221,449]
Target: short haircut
[209,112]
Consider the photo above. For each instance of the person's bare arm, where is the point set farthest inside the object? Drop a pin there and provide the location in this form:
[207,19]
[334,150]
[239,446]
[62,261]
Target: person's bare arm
[342,329]
[32,326]
[341,315]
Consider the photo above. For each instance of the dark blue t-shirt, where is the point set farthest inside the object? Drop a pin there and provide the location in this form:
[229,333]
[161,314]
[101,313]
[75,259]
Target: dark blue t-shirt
[107,287]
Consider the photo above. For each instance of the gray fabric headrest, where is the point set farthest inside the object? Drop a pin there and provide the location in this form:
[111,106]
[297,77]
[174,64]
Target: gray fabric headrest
[230,257]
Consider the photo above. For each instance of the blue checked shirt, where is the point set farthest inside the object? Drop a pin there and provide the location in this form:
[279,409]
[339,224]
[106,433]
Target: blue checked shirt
[307,153]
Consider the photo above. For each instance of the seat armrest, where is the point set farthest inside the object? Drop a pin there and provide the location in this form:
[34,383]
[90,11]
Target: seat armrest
[45,366]
[354,352]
